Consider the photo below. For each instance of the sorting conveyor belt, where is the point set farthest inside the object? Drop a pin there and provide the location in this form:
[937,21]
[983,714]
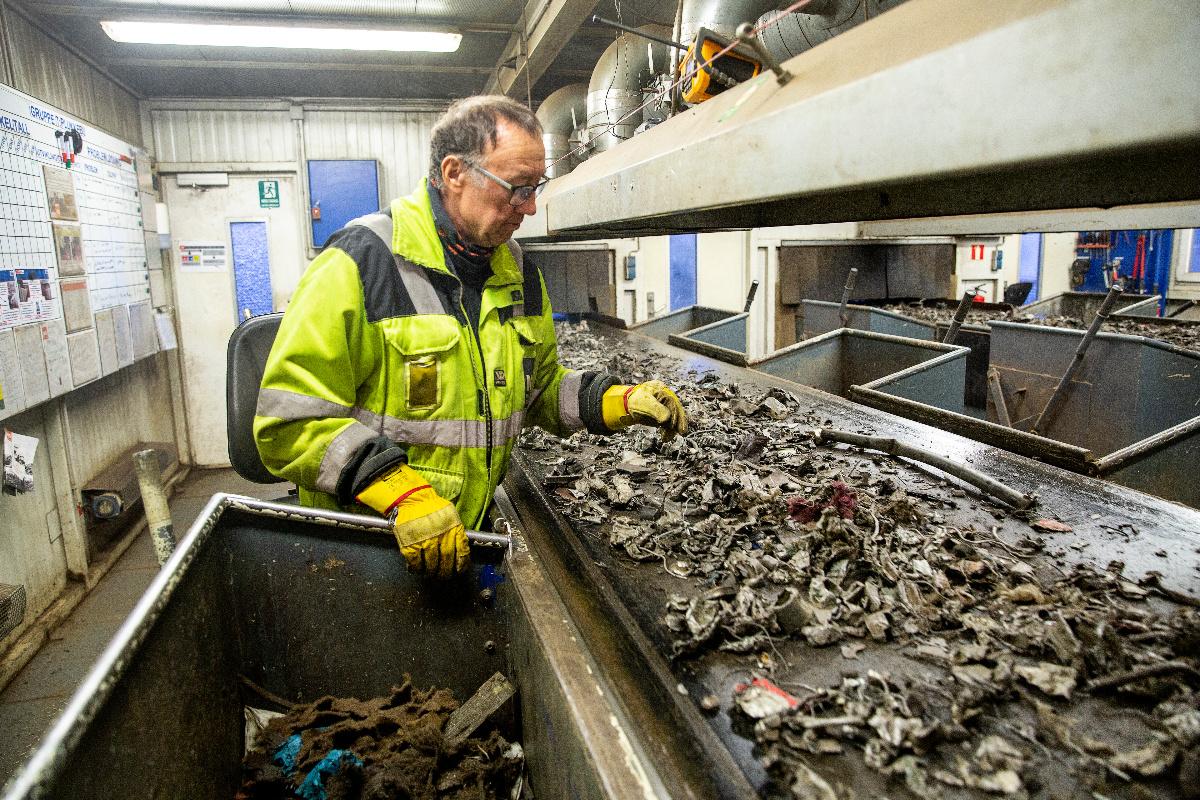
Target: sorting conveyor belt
[620,603]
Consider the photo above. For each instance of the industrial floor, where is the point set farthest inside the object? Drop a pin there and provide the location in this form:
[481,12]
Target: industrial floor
[30,704]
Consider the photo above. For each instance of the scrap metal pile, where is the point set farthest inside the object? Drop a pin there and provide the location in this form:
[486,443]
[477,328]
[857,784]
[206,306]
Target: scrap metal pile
[976,658]
[389,748]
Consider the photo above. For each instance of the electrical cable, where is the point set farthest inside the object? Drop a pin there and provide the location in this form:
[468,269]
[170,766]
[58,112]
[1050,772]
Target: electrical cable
[612,127]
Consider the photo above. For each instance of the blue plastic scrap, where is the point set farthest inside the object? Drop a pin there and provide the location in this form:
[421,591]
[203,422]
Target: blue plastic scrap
[489,578]
[285,755]
[313,787]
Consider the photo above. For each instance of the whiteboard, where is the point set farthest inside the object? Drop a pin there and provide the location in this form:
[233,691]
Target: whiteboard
[68,230]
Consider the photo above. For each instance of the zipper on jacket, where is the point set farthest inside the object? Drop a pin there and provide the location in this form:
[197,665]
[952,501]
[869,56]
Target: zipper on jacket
[484,402]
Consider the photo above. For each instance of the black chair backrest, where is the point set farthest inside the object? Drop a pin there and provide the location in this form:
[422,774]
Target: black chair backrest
[1016,293]
[246,359]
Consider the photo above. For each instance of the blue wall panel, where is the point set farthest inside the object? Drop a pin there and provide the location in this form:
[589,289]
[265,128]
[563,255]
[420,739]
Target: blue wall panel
[1030,263]
[251,268]
[343,190]
[1156,248]
[683,271]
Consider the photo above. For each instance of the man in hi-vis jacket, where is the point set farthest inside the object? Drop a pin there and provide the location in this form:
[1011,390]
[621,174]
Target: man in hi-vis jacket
[419,343]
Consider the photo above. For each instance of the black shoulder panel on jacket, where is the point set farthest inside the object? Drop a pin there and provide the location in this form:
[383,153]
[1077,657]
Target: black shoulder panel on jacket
[531,287]
[384,295]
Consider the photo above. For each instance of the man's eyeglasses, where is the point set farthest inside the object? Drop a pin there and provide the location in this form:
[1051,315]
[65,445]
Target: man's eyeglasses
[517,195]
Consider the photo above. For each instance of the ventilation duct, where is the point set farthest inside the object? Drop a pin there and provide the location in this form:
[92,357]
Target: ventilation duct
[616,86]
[723,16]
[819,22]
[560,114]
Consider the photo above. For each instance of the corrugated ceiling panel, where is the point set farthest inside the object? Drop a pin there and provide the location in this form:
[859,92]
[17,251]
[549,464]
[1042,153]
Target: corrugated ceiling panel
[398,140]
[206,135]
[45,70]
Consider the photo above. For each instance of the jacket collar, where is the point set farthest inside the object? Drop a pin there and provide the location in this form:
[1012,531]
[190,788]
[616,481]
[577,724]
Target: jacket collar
[414,236]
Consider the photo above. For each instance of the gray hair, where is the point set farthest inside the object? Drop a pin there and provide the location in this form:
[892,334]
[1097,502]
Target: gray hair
[469,126]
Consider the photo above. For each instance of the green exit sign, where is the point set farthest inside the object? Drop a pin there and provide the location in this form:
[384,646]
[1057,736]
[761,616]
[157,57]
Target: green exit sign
[268,194]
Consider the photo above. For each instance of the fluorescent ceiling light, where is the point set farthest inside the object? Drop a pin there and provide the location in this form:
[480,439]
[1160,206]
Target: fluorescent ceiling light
[204,34]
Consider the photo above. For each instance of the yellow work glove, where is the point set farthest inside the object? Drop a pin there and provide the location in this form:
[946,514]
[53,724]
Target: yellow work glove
[430,534]
[649,403]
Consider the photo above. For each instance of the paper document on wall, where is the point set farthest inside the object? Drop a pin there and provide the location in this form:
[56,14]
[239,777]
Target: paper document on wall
[141,330]
[106,338]
[77,306]
[166,330]
[33,364]
[12,390]
[58,358]
[19,452]
[124,343]
[85,357]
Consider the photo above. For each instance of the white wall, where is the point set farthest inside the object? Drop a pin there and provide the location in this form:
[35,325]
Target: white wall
[280,137]
[41,533]
[1058,253]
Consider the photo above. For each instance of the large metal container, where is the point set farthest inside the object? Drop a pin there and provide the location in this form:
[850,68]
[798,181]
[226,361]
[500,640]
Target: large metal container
[681,321]
[1150,307]
[724,339]
[822,317]
[265,598]
[924,372]
[1080,305]
[1132,413]
[1128,389]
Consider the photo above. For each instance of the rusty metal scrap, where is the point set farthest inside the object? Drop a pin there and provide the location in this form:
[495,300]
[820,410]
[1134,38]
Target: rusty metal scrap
[772,539]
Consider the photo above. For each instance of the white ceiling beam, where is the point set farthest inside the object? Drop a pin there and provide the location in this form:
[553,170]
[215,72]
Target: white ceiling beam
[554,22]
[1116,218]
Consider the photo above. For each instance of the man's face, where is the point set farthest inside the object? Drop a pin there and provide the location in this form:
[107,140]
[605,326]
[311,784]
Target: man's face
[478,205]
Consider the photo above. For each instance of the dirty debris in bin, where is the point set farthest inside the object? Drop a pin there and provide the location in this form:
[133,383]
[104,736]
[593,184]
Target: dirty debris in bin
[386,748]
[778,547]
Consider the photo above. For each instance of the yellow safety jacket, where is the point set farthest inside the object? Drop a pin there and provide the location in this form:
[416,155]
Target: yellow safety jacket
[375,350]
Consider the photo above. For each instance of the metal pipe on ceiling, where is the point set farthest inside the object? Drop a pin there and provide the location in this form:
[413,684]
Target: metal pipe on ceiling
[560,113]
[625,68]
[819,21]
[722,16]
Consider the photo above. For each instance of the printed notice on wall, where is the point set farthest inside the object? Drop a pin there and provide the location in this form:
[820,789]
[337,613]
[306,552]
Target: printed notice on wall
[166,330]
[106,338]
[19,452]
[201,256]
[58,358]
[85,357]
[11,384]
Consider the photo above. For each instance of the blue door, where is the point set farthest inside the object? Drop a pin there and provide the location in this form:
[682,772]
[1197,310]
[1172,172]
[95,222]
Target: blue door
[339,191]
[1030,264]
[251,268]
[683,271]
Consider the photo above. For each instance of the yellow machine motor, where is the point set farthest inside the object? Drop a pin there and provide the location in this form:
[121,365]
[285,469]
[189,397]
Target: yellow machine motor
[709,80]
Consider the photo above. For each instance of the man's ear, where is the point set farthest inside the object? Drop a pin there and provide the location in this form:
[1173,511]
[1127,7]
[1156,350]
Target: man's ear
[454,171]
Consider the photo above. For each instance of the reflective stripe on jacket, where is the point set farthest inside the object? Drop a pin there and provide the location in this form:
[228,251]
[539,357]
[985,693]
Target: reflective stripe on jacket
[375,342]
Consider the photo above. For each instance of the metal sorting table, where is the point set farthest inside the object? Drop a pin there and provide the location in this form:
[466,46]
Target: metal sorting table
[620,604]
[300,606]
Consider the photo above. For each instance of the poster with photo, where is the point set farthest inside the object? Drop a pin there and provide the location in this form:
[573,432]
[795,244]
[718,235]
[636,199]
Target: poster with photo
[19,452]
[60,193]
[10,299]
[68,244]
[35,295]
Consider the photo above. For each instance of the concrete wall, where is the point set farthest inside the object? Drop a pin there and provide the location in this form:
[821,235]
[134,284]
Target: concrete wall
[42,541]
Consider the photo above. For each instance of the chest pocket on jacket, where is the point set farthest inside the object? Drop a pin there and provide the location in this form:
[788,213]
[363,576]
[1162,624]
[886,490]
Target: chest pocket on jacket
[529,338]
[426,344]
